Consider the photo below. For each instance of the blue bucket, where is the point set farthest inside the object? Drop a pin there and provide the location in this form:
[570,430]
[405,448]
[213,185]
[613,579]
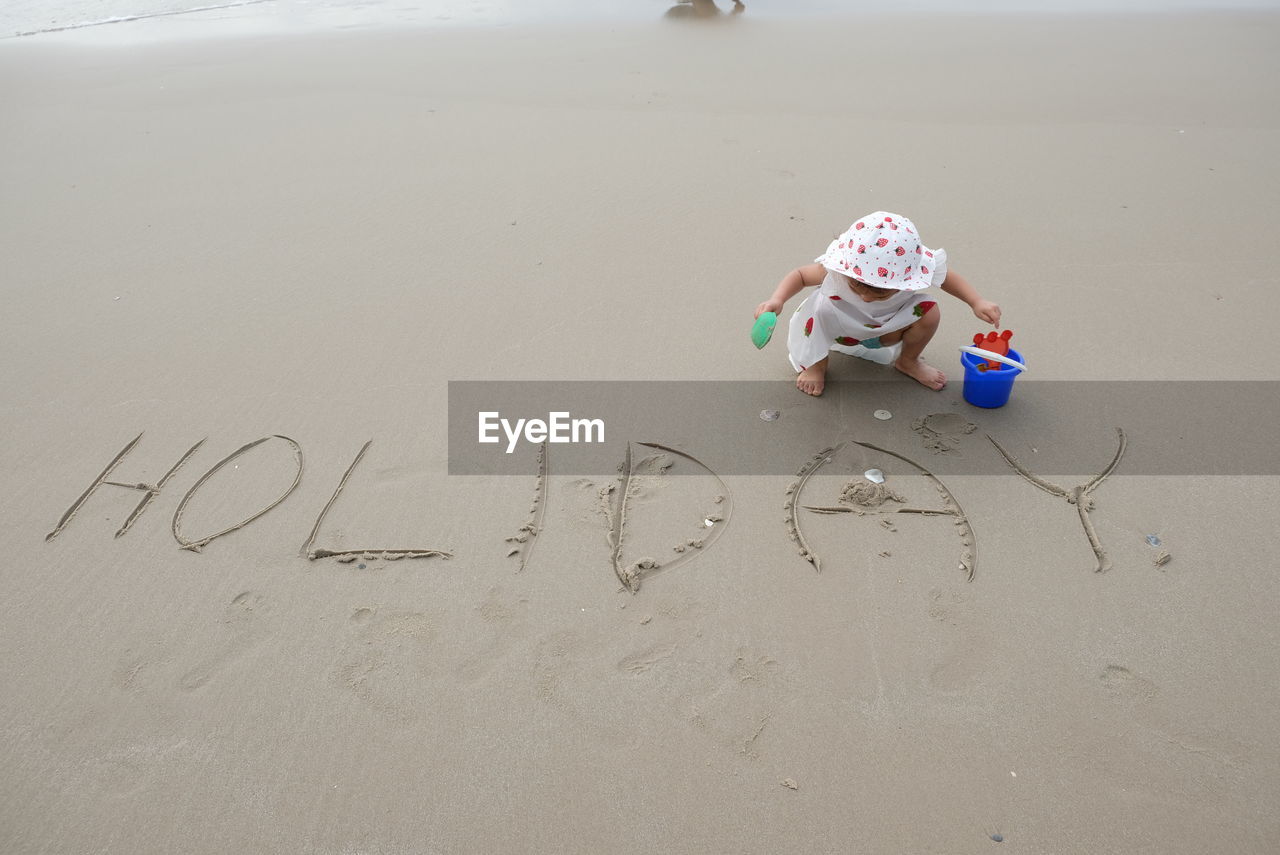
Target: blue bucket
[991,387]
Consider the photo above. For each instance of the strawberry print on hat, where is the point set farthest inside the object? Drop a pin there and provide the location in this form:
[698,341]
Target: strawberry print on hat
[885,256]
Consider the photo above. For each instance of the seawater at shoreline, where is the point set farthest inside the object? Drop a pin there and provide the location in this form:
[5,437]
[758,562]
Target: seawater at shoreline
[163,20]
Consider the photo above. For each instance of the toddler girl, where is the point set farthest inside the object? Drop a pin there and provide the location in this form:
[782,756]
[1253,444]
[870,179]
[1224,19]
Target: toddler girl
[872,294]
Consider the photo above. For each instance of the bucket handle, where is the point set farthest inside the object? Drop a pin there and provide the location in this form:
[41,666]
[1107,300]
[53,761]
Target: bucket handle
[986,354]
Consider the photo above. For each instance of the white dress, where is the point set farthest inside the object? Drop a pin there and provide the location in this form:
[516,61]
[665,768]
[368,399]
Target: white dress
[833,317]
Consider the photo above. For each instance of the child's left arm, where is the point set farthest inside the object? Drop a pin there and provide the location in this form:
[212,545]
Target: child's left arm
[957,286]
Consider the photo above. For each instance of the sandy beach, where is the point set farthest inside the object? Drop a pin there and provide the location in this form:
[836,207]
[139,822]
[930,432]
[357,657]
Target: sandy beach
[260,253]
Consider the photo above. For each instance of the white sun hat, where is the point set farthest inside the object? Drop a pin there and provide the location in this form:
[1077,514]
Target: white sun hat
[883,250]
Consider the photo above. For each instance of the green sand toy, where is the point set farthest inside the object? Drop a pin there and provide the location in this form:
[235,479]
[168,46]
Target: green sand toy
[763,330]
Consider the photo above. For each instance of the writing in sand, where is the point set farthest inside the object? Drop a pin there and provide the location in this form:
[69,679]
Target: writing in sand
[861,498]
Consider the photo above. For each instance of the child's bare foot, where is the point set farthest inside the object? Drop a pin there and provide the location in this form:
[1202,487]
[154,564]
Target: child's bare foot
[812,380]
[921,371]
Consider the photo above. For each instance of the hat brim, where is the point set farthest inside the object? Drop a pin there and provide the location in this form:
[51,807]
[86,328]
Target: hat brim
[839,264]
[844,261]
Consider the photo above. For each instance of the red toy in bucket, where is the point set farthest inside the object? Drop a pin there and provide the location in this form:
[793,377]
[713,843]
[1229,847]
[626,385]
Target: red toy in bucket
[990,367]
[993,343]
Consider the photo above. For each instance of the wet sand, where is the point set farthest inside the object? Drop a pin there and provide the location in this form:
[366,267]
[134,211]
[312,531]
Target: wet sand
[302,240]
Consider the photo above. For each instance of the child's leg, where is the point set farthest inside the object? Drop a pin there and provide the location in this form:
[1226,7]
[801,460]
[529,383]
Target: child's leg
[914,338]
[812,328]
[812,379]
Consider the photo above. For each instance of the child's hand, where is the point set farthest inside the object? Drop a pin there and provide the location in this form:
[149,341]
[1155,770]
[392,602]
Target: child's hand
[987,311]
[770,305]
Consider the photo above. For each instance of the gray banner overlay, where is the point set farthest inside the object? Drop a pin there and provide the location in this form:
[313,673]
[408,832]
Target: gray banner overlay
[1051,427]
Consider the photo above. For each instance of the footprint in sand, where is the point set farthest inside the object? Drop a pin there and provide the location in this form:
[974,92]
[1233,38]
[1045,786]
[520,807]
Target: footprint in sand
[736,712]
[569,668]
[246,621]
[388,660]
[680,611]
[759,669]
[1174,734]
[646,660]
[505,621]
[967,653]
[558,653]
[130,674]
[945,606]
[1121,683]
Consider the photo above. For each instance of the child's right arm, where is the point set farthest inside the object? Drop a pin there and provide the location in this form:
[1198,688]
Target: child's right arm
[792,284]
